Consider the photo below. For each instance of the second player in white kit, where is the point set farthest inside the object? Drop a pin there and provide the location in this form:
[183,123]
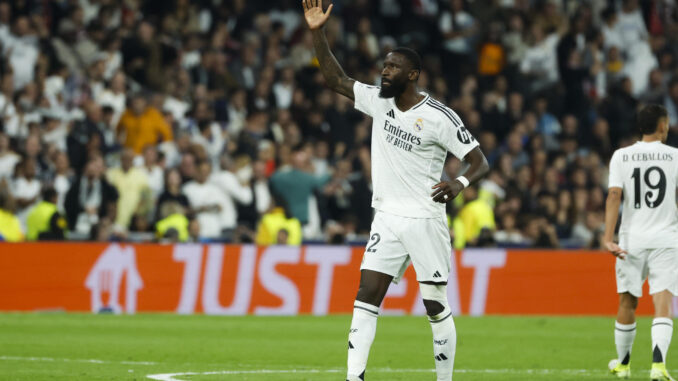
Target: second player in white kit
[646,173]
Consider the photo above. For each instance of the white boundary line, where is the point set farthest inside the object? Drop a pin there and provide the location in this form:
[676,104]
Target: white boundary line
[172,376]
[571,372]
[90,361]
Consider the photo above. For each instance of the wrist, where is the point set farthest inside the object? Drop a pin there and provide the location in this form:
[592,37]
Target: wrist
[463,181]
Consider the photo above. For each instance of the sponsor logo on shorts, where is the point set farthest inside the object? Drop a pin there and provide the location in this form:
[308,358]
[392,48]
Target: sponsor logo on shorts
[440,342]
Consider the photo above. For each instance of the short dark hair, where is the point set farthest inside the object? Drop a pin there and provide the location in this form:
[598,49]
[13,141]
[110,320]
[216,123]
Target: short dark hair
[49,194]
[648,118]
[411,56]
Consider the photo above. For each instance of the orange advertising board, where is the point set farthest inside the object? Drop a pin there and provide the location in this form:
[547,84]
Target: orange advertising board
[283,280]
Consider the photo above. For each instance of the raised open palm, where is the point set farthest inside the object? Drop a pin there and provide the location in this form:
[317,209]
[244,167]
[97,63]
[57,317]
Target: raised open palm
[313,12]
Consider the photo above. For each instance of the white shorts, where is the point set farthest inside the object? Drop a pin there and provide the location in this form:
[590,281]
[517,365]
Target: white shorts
[659,266]
[395,241]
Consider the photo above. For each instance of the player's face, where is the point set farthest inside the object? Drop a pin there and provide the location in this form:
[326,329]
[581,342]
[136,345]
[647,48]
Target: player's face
[394,76]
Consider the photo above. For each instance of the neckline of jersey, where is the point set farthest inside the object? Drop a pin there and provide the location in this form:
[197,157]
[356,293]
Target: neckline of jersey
[652,142]
[426,97]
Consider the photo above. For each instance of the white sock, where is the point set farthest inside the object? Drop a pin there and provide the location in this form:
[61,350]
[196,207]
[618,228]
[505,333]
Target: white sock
[444,343]
[623,339]
[363,329]
[662,329]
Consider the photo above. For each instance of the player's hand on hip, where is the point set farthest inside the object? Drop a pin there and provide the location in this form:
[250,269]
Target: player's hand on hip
[446,191]
[615,250]
[313,12]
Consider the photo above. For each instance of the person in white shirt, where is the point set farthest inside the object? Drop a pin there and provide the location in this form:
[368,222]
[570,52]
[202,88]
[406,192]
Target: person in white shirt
[114,96]
[411,135]
[8,158]
[646,174]
[233,191]
[149,164]
[26,189]
[205,199]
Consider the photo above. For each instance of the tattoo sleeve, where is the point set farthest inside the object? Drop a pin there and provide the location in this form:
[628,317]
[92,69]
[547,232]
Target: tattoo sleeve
[334,75]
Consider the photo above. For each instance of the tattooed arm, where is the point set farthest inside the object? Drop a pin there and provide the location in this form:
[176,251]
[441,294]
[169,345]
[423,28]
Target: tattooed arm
[334,75]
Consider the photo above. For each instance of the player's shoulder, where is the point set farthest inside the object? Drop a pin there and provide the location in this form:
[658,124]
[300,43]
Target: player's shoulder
[366,87]
[439,111]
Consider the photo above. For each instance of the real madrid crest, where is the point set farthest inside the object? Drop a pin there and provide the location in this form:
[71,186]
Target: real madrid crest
[419,124]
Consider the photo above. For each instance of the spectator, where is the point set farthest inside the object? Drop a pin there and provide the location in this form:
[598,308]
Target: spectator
[132,186]
[153,170]
[206,200]
[142,124]
[475,216]
[44,221]
[91,198]
[10,226]
[233,191]
[278,227]
[63,177]
[173,225]
[8,158]
[171,193]
[296,186]
[26,188]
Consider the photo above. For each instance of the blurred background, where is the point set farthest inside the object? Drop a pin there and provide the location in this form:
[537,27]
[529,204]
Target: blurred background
[209,121]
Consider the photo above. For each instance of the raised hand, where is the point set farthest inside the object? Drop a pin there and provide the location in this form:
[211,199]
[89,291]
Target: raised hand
[313,12]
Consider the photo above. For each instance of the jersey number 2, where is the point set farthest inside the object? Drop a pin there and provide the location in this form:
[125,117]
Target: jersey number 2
[659,186]
[376,238]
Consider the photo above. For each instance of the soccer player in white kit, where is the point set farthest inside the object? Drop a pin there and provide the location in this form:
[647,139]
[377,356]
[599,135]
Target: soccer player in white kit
[411,135]
[646,174]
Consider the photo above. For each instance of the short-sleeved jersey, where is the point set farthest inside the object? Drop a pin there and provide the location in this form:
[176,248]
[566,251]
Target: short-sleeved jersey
[647,174]
[409,150]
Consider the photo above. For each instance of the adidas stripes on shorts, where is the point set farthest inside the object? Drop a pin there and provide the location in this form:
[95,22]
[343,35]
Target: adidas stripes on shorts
[658,266]
[395,241]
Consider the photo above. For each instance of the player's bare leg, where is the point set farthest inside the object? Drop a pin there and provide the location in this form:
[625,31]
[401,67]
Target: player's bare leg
[624,334]
[442,325]
[373,287]
[662,330]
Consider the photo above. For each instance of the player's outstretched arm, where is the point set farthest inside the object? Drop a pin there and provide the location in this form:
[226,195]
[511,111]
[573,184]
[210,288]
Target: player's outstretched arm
[334,75]
[611,215]
[478,168]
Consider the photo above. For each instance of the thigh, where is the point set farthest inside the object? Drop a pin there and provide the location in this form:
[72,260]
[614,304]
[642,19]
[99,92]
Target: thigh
[430,249]
[663,270]
[384,252]
[631,273]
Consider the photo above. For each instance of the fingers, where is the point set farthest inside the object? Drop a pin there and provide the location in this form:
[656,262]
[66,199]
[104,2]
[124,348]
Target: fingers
[437,185]
[329,9]
[303,5]
[438,191]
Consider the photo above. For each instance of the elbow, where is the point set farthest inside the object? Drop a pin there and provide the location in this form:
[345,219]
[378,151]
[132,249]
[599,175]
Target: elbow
[484,167]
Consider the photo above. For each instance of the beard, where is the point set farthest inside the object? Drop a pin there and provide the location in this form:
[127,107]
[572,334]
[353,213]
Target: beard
[392,90]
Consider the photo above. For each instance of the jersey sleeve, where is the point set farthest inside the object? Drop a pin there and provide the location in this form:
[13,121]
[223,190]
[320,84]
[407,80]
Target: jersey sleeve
[615,179]
[454,136]
[365,97]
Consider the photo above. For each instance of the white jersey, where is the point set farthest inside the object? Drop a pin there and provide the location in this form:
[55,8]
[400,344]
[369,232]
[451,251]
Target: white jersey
[647,173]
[409,150]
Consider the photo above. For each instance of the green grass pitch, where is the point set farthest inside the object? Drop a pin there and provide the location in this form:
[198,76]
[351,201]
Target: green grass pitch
[104,347]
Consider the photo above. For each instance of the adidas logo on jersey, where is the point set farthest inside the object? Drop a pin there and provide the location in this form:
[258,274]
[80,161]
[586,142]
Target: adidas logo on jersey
[391,114]
[437,275]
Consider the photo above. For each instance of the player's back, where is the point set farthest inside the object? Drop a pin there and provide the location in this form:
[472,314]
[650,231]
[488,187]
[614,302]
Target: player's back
[647,172]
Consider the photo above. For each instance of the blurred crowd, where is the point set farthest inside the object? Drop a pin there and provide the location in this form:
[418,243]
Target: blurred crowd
[208,120]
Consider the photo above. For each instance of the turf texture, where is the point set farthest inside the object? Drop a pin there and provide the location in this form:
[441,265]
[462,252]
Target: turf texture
[106,347]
